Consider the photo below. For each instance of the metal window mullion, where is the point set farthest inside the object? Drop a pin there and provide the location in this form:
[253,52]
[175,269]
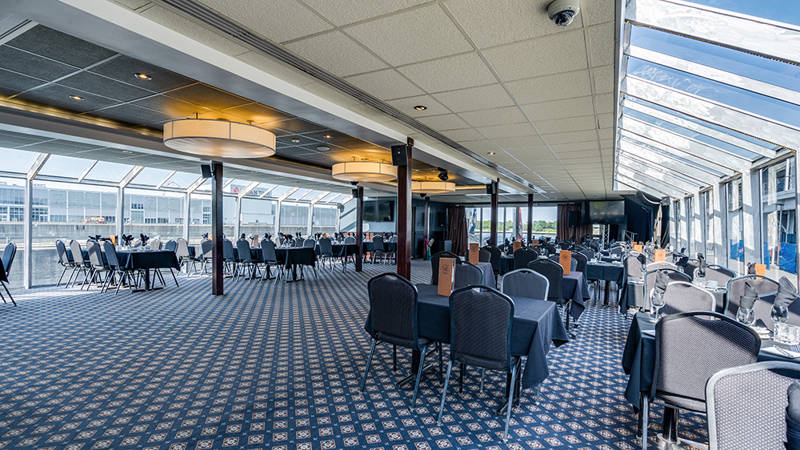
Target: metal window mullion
[646,180]
[750,221]
[636,185]
[671,166]
[663,176]
[86,171]
[629,148]
[166,179]
[677,152]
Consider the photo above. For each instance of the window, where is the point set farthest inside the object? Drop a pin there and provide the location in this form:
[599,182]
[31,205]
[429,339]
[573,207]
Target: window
[324,220]
[734,222]
[690,245]
[778,227]
[154,213]
[708,224]
[293,218]
[257,218]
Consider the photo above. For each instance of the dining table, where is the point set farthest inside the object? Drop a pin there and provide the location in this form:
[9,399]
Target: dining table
[606,272]
[288,257]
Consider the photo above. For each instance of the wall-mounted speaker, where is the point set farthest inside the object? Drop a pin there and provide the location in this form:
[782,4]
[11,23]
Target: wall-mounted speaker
[205,169]
[491,188]
[399,155]
[355,193]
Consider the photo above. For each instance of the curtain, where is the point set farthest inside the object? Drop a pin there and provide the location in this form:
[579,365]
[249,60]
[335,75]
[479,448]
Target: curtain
[564,231]
[457,229]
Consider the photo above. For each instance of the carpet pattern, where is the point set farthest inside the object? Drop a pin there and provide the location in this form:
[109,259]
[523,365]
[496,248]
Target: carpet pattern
[277,365]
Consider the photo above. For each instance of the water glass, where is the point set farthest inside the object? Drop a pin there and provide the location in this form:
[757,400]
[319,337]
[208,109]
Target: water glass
[746,316]
[779,313]
[656,303]
[786,334]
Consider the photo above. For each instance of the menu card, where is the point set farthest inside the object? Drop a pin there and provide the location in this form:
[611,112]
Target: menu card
[637,248]
[660,255]
[535,242]
[517,245]
[565,259]
[114,239]
[474,253]
[761,269]
[447,276]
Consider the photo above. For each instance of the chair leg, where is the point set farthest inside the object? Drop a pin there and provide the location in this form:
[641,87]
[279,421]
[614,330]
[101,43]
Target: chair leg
[510,400]
[439,344]
[369,361]
[9,294]
[62,276]
[444,391]
[394,357]
[645,411]
[419,375]
[483,374]
[174,277]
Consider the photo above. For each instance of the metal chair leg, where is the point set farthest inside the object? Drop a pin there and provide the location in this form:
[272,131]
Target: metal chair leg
[444,391]
[419,375]
[510,400]
[174,277]
[483,374]
[394,357]
[369,361]
[9,294]
[645,411]
[62,276]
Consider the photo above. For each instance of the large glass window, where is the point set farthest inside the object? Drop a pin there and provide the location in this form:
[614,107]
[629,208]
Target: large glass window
[473,225]
[708,224]
[153,213]
[12,195]
[778,227]
[199,217]
[294,217]
[324,220]
[258,217]
[486,225]
[544,221]
[734,223]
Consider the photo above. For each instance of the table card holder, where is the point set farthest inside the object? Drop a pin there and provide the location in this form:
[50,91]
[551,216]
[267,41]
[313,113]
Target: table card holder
[447,276]
[565,259]
[535,242]
[660,255]
[474,253]
[637,248]
[114,239]
[761,269]
[517,245]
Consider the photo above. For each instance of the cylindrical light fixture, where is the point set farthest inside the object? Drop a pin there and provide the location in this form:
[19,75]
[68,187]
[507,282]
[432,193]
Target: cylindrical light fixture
[218,138]
[432,187]
[364,171]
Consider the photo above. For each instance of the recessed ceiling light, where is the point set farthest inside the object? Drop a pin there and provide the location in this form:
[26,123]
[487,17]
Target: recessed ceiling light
[143,76]
[323,148]
[328,136]
[490,153]
[77,98]
[420,107]
[295,140]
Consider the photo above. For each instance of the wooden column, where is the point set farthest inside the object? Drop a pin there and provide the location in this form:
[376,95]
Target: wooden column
[493,227]
[530,219]
[358,193]
[217,287]
[404,212]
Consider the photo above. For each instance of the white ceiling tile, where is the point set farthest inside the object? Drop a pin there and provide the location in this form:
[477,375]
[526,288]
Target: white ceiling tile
[606,133]
[606,120]
[342,12]
[336,53]
[574,146]
[497,116]
[566,124]
[600,40]
[444,122]
[450,73]
[551,87]
[384,84]
[277,21]
[603,79]
[572,136]
[178,22]
[463,135]
[490,23]
[563,52]
[525,143]
[416,35]
[406,106]
[480,146]
[604,103]
[597,11]
[558,109]
[472,99]
[509,130]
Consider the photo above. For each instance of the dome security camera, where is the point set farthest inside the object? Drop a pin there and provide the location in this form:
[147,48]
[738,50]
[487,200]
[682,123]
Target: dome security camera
[563,12]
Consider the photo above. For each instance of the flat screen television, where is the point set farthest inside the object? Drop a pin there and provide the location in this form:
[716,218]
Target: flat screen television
[607,212]
[379,211]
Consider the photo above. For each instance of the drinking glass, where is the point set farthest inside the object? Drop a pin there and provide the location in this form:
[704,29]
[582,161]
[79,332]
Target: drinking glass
[778,313]
[656,302]
[746,316]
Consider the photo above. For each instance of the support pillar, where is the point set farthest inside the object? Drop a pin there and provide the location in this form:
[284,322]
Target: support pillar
[404,212]
[751,223]
[720,253]
[217,287]
[427,220]
[530,219]
[187,215]
[358,193]
[119,227]
[27,253]
[493,226]
[310,218]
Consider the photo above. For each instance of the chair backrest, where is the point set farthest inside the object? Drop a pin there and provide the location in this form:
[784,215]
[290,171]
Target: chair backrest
[393,310]
[182,250]
[227,249]
[77,253]
[555,277]
[268,251]
[325,247]
[690,266]
[494,257]
[63,256]
[309,243]
[660,265]
[693,346]
[616,251]
[525,283]
[719,274]
[111,254]
[207,247]
[633,266]
[349,240]
[467,275]
[484,255]
[746,406]
[8,256]
[573,264]
[95,254]
[650,280]
[580,261]
[171,246]
[154,244]
[377,244]
[682,296]
[435,264]
[480,327]
[523,256]
[762,285]
[243,248]
[299,242]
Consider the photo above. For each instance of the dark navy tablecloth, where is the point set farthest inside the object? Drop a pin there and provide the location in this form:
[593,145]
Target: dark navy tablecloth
[604,271]
[506,264]
[488,274]
[152,259]
[575,288]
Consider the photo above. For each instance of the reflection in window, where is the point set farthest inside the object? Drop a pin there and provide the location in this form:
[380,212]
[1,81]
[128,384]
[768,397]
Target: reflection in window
[778,227]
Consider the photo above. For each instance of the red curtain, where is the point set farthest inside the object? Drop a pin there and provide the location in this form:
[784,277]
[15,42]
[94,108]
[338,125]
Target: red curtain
[457,229]
[564,231]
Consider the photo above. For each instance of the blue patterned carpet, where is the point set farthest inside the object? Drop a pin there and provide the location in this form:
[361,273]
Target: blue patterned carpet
[276,365]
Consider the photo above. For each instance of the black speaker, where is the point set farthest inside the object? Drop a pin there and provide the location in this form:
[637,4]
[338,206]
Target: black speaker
[355,193]
[491,188]
[399,155]
[205,169]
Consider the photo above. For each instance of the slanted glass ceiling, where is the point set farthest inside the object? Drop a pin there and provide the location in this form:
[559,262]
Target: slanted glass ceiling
[81,171]
[705,98]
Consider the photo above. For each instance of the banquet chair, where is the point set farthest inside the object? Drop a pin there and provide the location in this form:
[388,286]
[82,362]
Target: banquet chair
[299,242]
[762,285]
[581,261]
[719,274]
[246,260]
[690,348]
[206,253]
[650,282]
[349,240]
[555,279]
[309,243]
[393,319]
[326,252]
[494,257]
[682,296]
[184,257]
[523,256]
[231,262]
[64,260]
[435,264]
[270,258]
[98,266]
[525,283]
[171,245]
[82,264]
[481,320]
[377,248]
[126,274]
[660,265]
[738,395]
[484,255]
[690,266]
[467,275]
[9,252]
[154,244]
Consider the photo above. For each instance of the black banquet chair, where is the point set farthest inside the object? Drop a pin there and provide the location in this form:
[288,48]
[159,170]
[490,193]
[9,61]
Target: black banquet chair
[65,260]
[525,283]
[738,396]
[555,278]
[481,319]
[206,253]
[467,275]
[82,264]
[762,285]
[690,348]
[523,256]
[8,259]
[270,258]
[682,296]
[435,264]
[246,260]
[127,276]
[231,261]
[393,319]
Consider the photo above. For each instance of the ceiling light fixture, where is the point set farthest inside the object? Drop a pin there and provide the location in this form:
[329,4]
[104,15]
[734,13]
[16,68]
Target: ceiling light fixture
[364,171]
[328,136]
[218,138]
[420,107]
[296,140]
[491,153]
[77,98]
[432,187]
[323,148]
[143,76]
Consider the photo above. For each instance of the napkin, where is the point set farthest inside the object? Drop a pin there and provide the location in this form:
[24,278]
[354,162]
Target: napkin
[701,265]
[749,296]
[143,238]
[661,281]
[751,268]
[787,293]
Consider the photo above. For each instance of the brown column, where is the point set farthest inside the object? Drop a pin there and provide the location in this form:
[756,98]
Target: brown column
[217,287]
[359,194]
[404,212]
[493,228]
[530,219]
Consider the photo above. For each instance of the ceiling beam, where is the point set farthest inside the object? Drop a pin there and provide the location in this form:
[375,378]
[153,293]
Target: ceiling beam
[86,171]
[130,175]
[659,174]
[647,180]
[36,165]
[638,139]
[166,179]
[659,159]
